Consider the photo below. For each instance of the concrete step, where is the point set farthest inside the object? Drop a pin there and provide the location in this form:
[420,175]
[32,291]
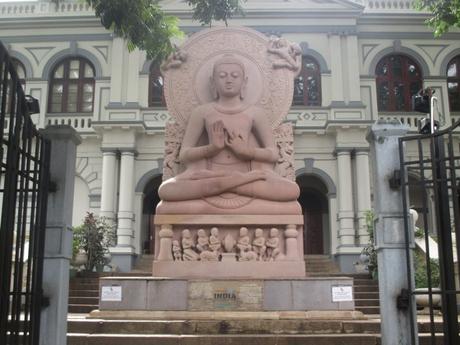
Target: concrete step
[82,308]
[86,293]
[83,300]
[148,339]
[366,288]
[368,309]
[366,295]
[360,281]
[366,302]
[83,286]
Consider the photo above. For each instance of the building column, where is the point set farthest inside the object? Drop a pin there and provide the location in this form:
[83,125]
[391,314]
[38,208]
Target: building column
[346,214]
[109,168]
[363,194]
[335,46]
[352,69]
[116,73]
[122,254]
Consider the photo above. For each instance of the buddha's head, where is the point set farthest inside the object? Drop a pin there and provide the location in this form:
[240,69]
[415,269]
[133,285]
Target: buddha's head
[243,231]
[259,232]
[228,77]
[274,232]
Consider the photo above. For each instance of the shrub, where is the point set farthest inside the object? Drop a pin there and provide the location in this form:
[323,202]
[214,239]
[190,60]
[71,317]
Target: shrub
[94,237]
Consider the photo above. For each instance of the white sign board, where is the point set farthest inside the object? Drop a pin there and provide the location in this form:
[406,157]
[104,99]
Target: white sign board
[342,293]
[111,293]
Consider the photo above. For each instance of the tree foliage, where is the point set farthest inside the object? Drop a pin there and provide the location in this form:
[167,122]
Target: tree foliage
[444,14]
[205,11]
[145,26]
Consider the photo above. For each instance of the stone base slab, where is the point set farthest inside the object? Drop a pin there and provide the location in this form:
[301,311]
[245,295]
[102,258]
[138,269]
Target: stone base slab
[237,269]
[156,294]
[226,315]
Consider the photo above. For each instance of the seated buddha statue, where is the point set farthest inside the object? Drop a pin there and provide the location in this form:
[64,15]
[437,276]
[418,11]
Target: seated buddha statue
[228,149]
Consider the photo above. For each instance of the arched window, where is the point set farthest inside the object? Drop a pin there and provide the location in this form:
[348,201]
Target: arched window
[156,84]
[307,86]
[453,83]
[398,79]
[21,71]
[72,87]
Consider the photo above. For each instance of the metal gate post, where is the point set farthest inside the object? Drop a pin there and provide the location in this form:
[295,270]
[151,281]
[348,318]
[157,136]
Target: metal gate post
[58,246]
[398,324]
[443,229]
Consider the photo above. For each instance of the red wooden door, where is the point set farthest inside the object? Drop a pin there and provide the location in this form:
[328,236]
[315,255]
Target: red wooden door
[312,210]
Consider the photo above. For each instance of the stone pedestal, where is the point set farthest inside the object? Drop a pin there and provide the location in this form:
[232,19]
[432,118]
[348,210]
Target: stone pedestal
[160,294]
[284,260]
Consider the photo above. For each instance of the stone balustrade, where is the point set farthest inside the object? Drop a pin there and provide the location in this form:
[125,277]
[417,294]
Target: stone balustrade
[387,5]
[406,119]
[81,123]
[26,9]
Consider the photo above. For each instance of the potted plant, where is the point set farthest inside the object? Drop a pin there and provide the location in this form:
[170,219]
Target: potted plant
[92,240]
[368,255]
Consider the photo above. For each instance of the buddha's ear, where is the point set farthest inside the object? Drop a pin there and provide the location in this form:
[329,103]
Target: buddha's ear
[214,93]
[243,88]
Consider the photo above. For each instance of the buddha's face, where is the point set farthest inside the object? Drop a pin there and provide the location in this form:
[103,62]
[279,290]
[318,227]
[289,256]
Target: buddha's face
[228,79]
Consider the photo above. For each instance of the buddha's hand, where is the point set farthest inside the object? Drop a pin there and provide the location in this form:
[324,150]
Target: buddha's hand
[217,135]
[239,146]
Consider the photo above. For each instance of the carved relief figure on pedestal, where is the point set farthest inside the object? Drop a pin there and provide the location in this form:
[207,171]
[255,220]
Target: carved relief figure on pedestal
[188,246]
[273,250]
[177,251]
[243,244]
[258,244]
[202,241]
[214,241]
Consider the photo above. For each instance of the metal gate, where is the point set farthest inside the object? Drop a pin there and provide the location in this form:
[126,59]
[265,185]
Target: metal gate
[430,168]
[24,172]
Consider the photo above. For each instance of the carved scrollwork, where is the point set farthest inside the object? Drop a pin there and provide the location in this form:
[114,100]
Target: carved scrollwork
[174,133]
[284,138]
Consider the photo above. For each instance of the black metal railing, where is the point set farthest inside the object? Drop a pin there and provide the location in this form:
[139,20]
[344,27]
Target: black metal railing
[24,173]
[430,166]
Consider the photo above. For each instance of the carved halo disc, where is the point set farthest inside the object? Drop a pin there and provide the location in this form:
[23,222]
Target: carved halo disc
[189,85]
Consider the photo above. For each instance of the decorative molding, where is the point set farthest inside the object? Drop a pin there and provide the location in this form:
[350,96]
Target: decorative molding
[147,177]
[86,172]
[446,60]
[25,62]
[57,38]
[432,50]
[307,51]
[403,51]
[38,53]
[366,49]
[68,53]
[322,175]
[104,51]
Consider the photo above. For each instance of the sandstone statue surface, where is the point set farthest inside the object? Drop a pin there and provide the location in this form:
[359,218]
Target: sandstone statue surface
[228,154]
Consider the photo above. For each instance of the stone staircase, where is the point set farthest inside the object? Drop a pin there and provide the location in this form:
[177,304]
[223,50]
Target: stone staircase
[84,293]
[231,328]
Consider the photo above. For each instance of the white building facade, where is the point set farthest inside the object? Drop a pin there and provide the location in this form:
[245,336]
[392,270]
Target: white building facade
[363,60]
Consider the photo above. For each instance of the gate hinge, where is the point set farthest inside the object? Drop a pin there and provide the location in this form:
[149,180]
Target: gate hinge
[403,300]
[395,180]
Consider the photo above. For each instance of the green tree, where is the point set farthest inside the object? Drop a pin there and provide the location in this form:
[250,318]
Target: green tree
[207,11]
[444,14]
[145,26]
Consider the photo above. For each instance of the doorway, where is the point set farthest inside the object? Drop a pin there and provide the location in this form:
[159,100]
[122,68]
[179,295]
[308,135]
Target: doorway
[150,202]
[313,201]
